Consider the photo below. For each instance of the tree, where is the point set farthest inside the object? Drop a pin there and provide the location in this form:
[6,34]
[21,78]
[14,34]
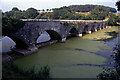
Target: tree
[30,13]
[14,13]
[118,5]
[55,14]
[112,20]
[43,10]
[69,15]
[79,16]
[39,16]
[50,10]
[99,13]
[47,10]
[47,16]
[8,14]
[61,13]
[18,15]
[10,26]
[15,9]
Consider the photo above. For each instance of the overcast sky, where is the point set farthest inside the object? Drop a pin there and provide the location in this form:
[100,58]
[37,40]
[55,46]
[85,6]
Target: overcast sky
[44,4]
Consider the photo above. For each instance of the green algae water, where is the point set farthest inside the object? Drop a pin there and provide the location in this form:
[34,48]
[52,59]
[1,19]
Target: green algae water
[64,59]
[76,58]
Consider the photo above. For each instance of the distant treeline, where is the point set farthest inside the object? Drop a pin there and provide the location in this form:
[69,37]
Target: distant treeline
[96,12]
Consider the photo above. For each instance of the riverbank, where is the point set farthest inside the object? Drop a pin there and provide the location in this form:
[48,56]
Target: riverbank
[104,34]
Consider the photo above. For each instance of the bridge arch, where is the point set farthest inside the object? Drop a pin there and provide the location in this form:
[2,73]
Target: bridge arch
[73,32]
[85,29]
[94,28]
[19,42]
[54,35]
[48,35]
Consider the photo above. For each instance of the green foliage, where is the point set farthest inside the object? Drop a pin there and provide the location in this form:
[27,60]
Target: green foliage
[15,9]
[99,13]
[12,71]
[118,5]
[13,14]
[62,13]
[96,12]
[88,8]
[39,16]
[66,24]
[76,25]
[18,15]
[68,16]
[8,14]
[113,20]
[82,8]
[79,16]
[30,13]
[10,26]
[47,16]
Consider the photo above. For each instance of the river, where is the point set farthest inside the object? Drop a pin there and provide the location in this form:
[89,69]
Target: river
[76,58]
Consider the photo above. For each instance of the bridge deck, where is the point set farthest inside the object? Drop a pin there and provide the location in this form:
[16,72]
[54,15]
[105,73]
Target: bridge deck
[56,20]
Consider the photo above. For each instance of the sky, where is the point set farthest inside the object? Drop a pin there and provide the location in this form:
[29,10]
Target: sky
[7,5]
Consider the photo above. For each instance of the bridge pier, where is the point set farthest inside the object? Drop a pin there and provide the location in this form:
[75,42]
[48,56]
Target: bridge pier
[107,26]
[63,40]
[27,51]
[96,30]
[34,49]
[79,35]
[102,27]
[88,32]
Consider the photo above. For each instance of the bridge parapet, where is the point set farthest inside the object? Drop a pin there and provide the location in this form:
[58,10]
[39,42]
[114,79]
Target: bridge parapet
[57,20]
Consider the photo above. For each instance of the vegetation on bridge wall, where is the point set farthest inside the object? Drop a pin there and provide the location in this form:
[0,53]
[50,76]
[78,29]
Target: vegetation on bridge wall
[10,26]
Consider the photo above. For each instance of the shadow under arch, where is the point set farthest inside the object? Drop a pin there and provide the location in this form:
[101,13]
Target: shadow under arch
[73,32]
[85,29]
[93,28]
[54,35]
[19,43]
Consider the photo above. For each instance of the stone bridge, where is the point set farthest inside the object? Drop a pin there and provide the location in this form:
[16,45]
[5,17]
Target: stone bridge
[59,30]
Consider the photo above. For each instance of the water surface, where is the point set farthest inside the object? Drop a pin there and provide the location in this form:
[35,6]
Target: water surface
[76,58]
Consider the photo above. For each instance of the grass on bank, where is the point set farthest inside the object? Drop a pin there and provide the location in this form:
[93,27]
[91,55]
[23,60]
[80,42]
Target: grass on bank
[106,33]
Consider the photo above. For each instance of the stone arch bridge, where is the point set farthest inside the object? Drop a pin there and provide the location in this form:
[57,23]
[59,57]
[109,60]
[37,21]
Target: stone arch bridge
[57,29]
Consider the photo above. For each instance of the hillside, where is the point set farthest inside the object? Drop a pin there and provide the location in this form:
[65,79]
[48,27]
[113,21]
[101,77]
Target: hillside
[88,8]
[73,12]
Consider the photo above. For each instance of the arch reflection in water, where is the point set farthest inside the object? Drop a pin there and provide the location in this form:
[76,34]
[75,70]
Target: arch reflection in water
[43,37]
